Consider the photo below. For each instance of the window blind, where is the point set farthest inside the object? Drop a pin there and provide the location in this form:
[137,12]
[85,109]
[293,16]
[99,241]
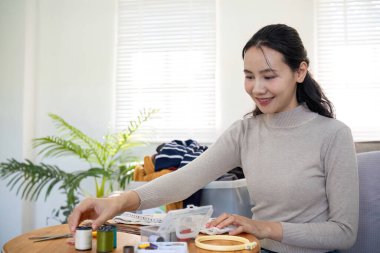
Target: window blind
[165,60]
[348,62]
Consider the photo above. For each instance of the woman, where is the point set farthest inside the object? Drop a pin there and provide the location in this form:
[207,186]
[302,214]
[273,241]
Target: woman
[299,162]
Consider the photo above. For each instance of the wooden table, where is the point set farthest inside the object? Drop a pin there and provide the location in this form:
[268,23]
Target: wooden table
[22,243]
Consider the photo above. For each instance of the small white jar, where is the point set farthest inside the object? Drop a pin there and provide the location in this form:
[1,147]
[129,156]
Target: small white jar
[83,238]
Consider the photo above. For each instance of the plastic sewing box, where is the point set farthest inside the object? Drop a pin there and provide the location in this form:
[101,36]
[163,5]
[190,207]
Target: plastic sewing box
[225,197]
[228,197]
[178,225]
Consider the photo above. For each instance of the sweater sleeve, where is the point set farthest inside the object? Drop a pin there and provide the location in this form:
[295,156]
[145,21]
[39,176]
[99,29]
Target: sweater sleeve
[342,189]
[219,158]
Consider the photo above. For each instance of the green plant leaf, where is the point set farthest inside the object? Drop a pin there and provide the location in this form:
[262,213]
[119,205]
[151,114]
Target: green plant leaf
[54,146]
[14,180]
[111,161]
[50,187]
[74,134]
[120,139]
[34,177]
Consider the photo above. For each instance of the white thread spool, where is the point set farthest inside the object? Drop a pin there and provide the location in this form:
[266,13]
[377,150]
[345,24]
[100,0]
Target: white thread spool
[83,238]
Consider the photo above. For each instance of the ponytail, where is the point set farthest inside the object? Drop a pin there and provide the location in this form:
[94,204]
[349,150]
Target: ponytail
[310,93]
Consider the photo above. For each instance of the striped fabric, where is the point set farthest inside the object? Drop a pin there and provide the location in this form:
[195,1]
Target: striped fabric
[177,154]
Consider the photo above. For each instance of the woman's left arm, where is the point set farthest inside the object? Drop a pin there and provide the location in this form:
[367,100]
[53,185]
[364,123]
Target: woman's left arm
[342,191]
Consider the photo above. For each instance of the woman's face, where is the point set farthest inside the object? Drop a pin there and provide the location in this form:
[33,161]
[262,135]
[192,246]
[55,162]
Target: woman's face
[269,81]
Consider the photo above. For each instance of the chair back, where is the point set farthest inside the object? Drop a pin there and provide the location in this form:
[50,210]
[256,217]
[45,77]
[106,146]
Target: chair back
[368,239]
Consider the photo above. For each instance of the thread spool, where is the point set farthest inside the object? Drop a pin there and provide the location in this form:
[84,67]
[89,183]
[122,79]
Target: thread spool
[114,230]
[104,239]
[83,238]
[128,249]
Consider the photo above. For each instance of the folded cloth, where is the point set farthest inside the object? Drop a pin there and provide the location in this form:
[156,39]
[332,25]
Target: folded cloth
[238,172]
[215,230]
[227,177]
[177,154]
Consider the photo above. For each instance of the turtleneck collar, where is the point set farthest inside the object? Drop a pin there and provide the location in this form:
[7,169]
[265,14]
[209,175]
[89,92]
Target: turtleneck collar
[289,119]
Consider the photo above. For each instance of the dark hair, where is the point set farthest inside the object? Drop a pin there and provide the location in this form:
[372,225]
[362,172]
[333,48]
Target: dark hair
[285,40]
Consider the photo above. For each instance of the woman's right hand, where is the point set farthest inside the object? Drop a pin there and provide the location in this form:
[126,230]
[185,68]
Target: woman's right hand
[102,209]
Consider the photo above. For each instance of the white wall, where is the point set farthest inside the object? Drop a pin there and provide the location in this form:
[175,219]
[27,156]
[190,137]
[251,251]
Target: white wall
[74,73]
[12,31]
[61,61]
[72,62]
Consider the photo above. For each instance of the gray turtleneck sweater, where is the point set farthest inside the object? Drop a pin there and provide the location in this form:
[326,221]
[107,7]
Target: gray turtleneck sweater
[300,169]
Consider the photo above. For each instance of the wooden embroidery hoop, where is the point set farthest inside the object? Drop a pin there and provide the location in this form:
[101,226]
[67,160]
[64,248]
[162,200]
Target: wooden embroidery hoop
[247,245]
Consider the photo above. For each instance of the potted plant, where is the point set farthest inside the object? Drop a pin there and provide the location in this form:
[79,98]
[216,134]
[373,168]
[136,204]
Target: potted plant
[110,164]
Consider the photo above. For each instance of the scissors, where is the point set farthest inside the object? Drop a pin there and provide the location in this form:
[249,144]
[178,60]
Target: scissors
[49,237]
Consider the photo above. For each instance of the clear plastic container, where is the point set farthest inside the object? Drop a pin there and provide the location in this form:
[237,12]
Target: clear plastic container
[224,196]
[228,197]
[178,225]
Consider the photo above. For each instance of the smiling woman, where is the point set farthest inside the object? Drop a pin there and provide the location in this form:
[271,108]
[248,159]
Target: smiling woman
[269,81]
[299,162]
[277,77]
[75,43]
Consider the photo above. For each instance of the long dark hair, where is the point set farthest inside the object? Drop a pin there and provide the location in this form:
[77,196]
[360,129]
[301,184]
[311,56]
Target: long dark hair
[285,40]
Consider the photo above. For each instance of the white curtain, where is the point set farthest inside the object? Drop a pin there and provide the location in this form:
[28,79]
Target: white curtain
[348,62]
[165,55]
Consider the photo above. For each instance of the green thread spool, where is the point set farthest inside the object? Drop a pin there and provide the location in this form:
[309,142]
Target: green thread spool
[114,229]
[104,239]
